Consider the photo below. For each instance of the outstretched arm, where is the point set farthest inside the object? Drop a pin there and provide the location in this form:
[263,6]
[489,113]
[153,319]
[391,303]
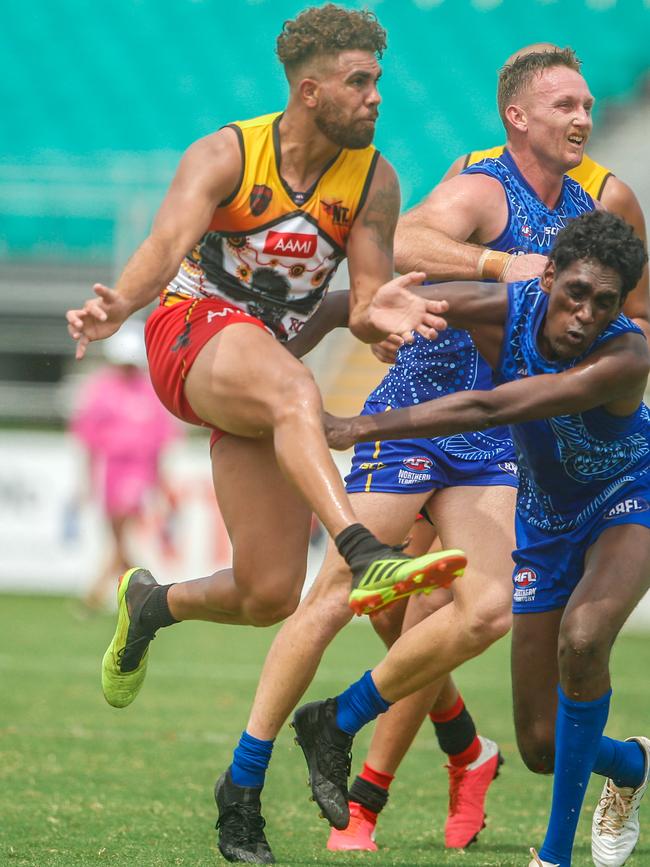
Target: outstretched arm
[615,378]
[206,175]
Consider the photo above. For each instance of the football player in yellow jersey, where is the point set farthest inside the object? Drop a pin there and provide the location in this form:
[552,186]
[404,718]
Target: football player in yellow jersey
[231,283]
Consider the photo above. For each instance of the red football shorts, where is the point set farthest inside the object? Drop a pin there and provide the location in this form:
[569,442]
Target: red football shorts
[175,333]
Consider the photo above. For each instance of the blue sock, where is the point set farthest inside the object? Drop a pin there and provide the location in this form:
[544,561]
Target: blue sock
[250,761]
[578,732]
[359,704]
[623,761]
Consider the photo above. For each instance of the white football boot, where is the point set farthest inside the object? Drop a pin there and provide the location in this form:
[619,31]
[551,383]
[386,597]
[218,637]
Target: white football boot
[537,861]
[615,827]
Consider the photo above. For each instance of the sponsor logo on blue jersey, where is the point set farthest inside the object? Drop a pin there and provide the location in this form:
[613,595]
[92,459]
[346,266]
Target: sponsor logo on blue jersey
[630,506]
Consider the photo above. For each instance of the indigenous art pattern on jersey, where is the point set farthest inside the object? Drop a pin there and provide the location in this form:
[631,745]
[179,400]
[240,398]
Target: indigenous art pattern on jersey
[427,369]
[569,465]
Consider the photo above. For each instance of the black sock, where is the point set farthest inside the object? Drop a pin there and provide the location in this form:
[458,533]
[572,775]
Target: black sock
[155,611]
[357,546]
[369,795]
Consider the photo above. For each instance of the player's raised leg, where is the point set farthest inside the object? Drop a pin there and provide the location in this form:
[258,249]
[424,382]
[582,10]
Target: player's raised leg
[278,401]
[231,390]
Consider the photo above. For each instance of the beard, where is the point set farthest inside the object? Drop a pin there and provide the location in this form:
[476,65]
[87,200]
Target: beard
[353,135]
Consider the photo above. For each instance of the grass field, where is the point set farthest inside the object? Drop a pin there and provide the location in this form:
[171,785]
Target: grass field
[83,784]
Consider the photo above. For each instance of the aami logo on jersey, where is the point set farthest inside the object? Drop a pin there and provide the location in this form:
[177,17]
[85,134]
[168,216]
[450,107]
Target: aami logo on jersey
[627,507]
[419,464]
[294,244]
[525,577]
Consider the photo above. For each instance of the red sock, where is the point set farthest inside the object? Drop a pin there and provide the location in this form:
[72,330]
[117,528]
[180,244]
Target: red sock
[370,791]
[457,734]
[378,778]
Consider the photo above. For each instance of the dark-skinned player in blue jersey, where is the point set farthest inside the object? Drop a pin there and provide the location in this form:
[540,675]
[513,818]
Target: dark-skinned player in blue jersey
[582,436]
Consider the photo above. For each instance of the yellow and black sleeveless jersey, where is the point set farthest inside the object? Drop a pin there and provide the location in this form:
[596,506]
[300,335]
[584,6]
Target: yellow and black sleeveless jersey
[589,174]
[270,250]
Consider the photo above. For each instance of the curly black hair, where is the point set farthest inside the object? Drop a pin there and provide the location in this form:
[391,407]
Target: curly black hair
[605,238]
[328,29]
[516,76]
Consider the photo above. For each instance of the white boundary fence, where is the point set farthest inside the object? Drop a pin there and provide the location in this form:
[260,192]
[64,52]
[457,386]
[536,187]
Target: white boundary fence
[52,539]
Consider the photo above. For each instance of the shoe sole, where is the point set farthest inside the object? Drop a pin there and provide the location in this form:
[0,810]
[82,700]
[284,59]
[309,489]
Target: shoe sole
[110,671]
[501,761]
[428,573]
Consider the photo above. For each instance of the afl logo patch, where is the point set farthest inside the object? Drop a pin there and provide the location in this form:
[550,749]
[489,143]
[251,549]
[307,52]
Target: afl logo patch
[418,465]
[525,577]
[260,199]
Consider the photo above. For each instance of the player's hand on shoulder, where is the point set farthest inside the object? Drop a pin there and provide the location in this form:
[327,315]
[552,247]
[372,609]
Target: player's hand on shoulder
[396,310]
[524,267]
[97,319]
[386,351]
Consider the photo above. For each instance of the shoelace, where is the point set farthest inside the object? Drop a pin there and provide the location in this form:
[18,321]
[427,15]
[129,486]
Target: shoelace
[338,762]
[456,776]
[615,810]
[136,644]
[243,824]
[539,861]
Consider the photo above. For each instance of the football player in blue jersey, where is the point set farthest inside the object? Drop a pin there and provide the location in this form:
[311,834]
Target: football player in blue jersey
[582,556]
[514,204]
[420,233]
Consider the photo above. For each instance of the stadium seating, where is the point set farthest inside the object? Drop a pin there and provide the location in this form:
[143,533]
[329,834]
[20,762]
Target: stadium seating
[99,100]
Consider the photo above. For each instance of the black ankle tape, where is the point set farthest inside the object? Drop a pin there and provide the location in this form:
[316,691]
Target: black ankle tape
[369,795]
[356,544]
[155,612]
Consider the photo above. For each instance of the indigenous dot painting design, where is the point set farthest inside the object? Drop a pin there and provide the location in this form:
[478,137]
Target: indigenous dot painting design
[427,369]
[569,465]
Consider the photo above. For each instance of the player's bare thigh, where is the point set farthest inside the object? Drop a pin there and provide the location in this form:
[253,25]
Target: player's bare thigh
[616,577]
[267,521]
[480,521]
[243,378]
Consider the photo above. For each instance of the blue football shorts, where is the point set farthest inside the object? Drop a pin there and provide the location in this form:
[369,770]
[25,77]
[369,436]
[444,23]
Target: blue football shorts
[549,565]
[423,465]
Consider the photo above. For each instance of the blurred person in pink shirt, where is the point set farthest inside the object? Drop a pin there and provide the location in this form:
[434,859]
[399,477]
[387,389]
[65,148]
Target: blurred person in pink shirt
[124,429]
